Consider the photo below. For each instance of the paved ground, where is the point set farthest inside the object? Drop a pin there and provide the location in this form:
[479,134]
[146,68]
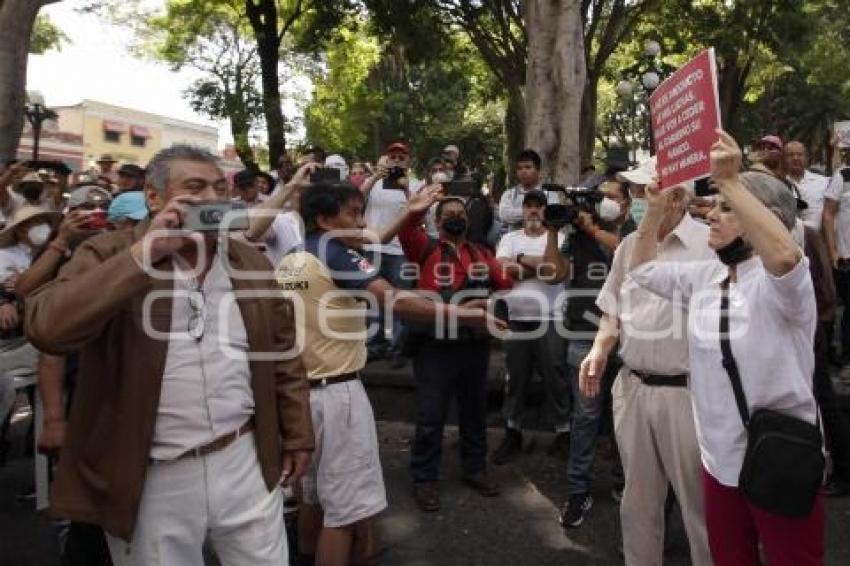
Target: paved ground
[517,528]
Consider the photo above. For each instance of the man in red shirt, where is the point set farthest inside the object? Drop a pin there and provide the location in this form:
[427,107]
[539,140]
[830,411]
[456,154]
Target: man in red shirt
[451,269]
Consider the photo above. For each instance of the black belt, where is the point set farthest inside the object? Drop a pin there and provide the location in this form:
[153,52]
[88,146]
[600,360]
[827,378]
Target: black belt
[656,380]
[342,378]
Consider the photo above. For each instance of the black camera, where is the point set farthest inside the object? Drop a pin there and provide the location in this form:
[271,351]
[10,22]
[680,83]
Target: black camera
[329,175]
[394,179]
[578,199]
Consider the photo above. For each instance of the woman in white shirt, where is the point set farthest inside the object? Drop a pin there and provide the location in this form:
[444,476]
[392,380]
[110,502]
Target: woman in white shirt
[772,318]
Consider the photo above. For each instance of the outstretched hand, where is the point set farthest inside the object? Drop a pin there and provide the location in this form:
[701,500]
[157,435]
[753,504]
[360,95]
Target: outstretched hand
[424,198]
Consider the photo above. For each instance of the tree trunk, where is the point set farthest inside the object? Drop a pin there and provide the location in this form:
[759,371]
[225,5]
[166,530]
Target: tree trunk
[514,125]
[589,107]
[16,20]
[555,82]
[275,125]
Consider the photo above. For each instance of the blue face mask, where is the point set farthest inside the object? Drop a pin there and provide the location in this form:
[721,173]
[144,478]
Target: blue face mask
[639,206]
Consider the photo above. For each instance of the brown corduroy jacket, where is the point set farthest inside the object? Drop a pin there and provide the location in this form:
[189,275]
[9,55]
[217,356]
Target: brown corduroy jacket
[96,307]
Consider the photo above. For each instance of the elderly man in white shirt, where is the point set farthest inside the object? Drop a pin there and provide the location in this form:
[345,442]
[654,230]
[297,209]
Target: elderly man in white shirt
[772,318]
[653,421]
[812,187]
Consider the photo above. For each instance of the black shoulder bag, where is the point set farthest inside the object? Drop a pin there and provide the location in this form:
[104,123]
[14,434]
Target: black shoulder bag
[784,463]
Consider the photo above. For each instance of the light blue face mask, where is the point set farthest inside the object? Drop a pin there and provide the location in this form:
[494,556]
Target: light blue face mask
[639,206]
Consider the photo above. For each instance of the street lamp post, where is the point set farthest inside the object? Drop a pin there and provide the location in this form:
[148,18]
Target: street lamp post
[638,83]
[37,113]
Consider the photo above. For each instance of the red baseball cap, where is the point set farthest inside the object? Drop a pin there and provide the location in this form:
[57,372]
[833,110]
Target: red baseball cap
[775,141]
[398,147]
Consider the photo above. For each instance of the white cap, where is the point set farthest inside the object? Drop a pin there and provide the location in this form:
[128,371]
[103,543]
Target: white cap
[640,175]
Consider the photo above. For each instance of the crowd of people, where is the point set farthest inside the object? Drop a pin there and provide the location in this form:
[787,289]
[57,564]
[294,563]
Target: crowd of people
[196,382]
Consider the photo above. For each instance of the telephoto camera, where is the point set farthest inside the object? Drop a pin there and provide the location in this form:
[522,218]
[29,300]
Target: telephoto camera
[396,179]
[578,199]
[211,216]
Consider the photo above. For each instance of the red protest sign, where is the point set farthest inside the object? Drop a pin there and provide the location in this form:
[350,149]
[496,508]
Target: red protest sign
[685,112]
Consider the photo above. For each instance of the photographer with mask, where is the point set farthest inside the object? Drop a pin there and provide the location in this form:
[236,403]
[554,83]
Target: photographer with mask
[590,246]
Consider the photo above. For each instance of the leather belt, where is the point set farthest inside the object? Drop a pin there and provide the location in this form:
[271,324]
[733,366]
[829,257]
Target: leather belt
[342,378]
[657,380]
[219,443]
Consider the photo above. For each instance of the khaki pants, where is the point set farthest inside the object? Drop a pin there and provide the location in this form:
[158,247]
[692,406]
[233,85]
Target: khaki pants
[658,445]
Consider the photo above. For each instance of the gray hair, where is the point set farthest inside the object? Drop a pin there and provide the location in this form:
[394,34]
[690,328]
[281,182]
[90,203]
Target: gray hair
[158,171]
[773,193]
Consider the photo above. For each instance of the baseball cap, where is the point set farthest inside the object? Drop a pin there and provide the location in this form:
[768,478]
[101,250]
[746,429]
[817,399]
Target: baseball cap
[536,197]
[88,194]
[131,170]
[128,205]
[398,146]
[775,141]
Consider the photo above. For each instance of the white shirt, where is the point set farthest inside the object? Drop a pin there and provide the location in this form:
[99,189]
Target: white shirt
[383,207]
[206,391]
[839,190]
[812,188]
[14,260]
[530,299]
[653,330]
[771,326]
[285,234]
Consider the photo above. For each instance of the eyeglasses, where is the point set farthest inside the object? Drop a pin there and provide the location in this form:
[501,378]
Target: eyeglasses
[197,318]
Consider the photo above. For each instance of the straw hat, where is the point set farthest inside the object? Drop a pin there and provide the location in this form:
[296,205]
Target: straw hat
[23,214]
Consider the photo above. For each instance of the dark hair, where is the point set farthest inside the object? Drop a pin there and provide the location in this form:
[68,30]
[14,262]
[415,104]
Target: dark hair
[324,199]
[440,205]
[529,155]
[318,153]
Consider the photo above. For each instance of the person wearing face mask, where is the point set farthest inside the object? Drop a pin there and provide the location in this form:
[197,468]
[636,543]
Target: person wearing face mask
[357,175]
[752,317]
[25,233]
[457,271]
[590,248]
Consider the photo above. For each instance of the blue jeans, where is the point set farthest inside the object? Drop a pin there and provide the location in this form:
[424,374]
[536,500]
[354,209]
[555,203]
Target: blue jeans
[587,415]
[390,269]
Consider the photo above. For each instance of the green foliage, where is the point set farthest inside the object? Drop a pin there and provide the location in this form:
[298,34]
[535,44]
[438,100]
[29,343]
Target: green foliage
[46,36]
[371,93]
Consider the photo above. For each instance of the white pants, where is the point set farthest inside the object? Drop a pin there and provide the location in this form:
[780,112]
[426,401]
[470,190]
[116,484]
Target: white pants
[221,497]
[658,445]
[22,357]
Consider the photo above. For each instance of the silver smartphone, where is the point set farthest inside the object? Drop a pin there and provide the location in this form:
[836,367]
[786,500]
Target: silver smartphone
[212,216]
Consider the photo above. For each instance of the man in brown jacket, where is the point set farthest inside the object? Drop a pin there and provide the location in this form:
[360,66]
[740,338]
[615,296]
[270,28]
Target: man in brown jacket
[191,405]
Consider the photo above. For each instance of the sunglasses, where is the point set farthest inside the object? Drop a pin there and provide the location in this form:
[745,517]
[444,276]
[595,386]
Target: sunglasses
[197,318]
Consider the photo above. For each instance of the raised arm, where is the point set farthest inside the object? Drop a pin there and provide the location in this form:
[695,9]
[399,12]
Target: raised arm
[262,216]
[646,237]
[770,239]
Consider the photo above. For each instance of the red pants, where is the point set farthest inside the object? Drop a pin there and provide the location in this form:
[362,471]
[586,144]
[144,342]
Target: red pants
[735,528]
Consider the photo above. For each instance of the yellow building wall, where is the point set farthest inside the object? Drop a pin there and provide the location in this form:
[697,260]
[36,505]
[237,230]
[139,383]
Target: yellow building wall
[95,142]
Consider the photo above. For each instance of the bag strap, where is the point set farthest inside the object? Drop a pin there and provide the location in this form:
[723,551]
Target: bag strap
[729,363]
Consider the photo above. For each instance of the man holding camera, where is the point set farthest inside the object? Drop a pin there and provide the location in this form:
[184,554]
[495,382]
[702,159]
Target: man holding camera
[531,255]
[191,406]
[387,193]
[591,246]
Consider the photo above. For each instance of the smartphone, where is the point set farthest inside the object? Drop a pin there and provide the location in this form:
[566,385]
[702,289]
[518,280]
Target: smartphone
[212,216]
[96,219]
[326,175]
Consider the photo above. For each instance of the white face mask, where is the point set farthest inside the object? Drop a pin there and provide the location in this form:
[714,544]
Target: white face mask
[38,235]
[440,177]
[639,206]
[609,209]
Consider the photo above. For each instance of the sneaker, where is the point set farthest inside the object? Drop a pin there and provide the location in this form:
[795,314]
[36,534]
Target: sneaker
[560,447]
[510,447]
[572,515]
[482,483]
[617,493]
[427,496]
